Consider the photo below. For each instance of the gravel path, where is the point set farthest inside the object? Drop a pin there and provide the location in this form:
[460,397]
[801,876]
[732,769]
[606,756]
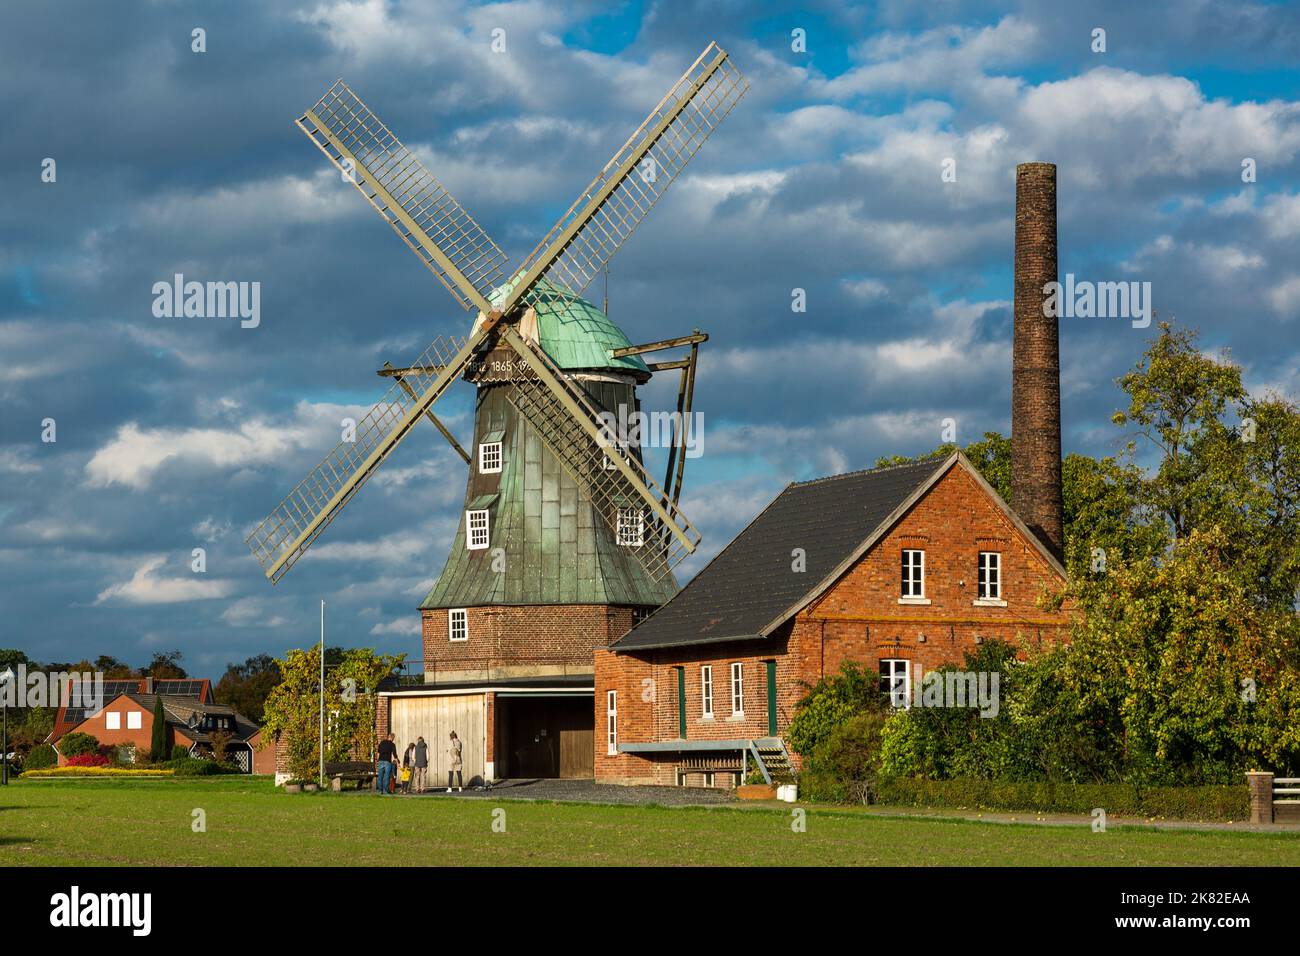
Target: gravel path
[588,791]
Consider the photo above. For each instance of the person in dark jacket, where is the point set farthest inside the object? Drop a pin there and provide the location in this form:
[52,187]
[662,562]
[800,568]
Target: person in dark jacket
[421,758]
[386,760]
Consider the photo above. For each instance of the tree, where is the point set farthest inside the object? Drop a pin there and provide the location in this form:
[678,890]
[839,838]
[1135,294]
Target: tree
[292,710]
[1177,398]
[245,686]
[165,666]
[158,742]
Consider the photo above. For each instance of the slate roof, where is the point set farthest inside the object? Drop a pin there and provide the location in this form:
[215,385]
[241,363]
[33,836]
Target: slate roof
[749,586]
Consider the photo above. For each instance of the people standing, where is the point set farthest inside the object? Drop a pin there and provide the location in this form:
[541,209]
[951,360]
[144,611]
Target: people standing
[453,763]
[421,758]
[386,759]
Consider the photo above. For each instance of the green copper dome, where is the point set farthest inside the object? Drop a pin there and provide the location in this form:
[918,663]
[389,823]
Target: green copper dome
[576,334]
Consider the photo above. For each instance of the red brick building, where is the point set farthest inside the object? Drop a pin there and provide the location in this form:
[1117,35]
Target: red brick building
[896,568]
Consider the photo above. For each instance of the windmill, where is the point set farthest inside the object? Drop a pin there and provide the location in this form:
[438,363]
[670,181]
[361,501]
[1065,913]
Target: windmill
[524,389]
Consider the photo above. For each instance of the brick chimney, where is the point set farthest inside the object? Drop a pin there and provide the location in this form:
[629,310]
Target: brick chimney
[1036,361]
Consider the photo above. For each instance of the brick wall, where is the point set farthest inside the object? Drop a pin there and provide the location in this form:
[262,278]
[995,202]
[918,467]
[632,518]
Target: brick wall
[536,639]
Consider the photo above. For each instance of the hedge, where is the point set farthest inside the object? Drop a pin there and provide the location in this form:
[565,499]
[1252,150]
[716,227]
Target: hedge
[96,772]
[1117,799]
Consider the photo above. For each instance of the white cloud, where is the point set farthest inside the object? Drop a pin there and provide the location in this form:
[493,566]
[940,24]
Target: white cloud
[146,587]
[402,626]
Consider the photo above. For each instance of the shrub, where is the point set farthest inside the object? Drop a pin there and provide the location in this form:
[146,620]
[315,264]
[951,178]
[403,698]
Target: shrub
[77,744]
[41,757]
[88,760]
[1117,799]
[96,772]
[195,767]
[832,701]
[180,752]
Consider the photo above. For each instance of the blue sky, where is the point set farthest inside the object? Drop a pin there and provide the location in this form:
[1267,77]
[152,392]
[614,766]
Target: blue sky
[182,433]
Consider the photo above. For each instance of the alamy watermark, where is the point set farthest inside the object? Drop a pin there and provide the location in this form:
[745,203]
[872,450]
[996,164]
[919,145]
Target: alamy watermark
[55,689]
[639,429]
[1098,300]
[208,300]
[979,690]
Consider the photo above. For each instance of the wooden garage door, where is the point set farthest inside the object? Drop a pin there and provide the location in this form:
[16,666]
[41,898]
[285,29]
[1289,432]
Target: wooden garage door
[433,718]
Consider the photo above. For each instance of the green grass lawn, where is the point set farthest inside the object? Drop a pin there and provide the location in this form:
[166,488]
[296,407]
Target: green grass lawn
[136,822]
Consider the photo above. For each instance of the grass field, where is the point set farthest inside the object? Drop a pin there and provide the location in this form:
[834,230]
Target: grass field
[139,822]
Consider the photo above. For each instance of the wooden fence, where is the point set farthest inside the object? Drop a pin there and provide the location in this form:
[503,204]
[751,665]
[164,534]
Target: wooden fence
[1273,799]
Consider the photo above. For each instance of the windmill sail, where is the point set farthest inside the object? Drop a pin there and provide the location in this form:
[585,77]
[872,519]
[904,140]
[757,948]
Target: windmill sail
[605,214]
[616,483]
[284,535]
[418,207]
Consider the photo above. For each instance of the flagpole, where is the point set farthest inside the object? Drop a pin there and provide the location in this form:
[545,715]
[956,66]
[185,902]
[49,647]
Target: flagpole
[322,693]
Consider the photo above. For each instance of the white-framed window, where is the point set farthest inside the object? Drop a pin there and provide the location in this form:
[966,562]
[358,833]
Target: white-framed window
[738,688]
[913,573]
[631,527]
[489,457]
[476,530]
[620,447]
[895,678]
[134,720]
[458,624]
[611,722]
[990,576]
[706,690]
[113,720]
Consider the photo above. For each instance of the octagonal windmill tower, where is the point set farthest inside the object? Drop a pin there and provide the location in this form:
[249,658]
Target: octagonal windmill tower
[565,537]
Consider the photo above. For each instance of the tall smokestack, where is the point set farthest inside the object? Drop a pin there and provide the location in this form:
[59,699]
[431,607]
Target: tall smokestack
[1036,362]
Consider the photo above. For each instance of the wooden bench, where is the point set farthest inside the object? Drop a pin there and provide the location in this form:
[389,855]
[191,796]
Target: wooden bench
[359,770]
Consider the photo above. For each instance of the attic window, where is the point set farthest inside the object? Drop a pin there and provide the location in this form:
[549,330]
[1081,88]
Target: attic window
[476,530]
[489,458]
[990,576]
[133,720]
[631,527]
[913,573]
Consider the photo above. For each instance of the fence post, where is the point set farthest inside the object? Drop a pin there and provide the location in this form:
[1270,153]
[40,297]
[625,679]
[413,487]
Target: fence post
[1261,796]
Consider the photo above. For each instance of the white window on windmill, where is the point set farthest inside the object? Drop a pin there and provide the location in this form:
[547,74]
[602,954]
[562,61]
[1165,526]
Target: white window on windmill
[489,458]
[476,529]
[706,691]
[489,452]
[458,624]
[631,527]
[619,447]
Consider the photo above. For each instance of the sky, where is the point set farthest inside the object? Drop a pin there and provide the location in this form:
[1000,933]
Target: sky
[178,433]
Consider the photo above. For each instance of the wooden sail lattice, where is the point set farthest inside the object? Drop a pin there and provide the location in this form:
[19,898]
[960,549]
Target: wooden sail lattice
[569,425]
[282,537]
[613,205]
[419,208]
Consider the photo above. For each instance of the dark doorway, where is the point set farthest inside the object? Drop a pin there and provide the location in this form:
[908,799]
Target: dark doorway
[548,736]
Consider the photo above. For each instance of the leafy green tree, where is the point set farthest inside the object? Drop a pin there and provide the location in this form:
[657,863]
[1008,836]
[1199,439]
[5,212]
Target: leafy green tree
[1177,400]
[165,666]
[292,709]
[245,686]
